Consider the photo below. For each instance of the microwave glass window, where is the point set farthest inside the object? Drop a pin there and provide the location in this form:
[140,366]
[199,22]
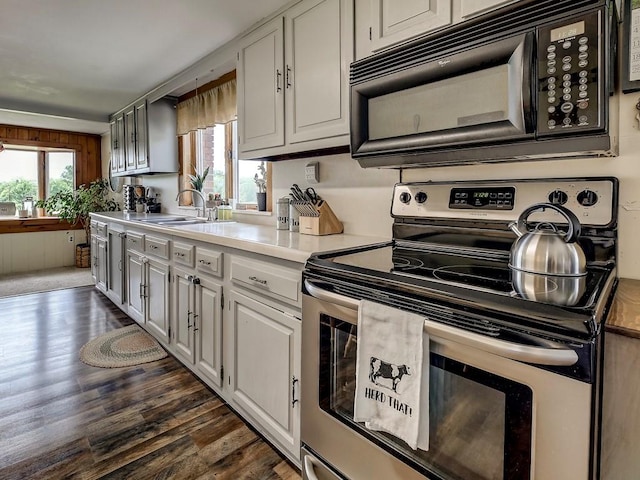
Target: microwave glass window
[469,411]
[475,98]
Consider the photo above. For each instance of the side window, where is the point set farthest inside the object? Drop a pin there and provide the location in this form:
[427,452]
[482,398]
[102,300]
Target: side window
[29,175]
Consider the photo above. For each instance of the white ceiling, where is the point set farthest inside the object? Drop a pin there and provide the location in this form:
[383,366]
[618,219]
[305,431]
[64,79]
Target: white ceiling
[74,62]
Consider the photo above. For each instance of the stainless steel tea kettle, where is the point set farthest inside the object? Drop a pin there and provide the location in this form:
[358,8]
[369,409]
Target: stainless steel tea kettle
[547,265]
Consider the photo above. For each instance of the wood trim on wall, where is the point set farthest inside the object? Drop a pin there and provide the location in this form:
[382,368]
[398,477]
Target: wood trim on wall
[88,166]
[86,145]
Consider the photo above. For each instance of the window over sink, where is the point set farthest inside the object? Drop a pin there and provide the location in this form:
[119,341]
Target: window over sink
[207,126]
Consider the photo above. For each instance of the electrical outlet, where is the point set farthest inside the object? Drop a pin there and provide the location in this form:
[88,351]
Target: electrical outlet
[312,172]
[70,238]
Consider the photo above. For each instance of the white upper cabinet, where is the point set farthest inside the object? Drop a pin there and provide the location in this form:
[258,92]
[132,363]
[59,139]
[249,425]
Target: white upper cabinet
[145,138]
[260,88]
[383,23]
[318,51]
[473,8]
[293,80]
[393,21]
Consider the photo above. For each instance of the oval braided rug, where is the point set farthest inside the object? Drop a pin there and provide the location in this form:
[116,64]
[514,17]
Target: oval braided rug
[122,347]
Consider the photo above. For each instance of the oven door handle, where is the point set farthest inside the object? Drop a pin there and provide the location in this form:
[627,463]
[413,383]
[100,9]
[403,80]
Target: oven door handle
[548,353]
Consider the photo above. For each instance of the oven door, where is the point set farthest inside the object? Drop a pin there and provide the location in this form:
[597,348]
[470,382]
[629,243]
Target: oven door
[491,417]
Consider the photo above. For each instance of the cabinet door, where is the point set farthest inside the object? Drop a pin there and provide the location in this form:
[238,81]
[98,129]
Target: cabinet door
[130,138]
[118,144]
[265,367]
[261,88]
[115,266]
[142,156]
[207,323]
[318,51]
[101,266]
[157,299]
[135,285]
[397,20]
[94,259]
[473,8]
[183,304]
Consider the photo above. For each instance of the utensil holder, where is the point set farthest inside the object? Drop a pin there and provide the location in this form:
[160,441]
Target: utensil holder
[317,219]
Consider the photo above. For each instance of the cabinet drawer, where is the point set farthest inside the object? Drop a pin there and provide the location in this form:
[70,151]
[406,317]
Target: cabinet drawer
[99,228]
[183,253]
[209,261]
[156,246]
[135,241]
[278,282]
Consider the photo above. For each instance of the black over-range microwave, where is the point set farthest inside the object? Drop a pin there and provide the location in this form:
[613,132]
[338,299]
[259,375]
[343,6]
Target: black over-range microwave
[533,80]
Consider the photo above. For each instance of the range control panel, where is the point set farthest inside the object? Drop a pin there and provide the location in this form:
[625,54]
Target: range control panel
[592,200]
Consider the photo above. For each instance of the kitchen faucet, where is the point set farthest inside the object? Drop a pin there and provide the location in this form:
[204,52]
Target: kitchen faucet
[204,202]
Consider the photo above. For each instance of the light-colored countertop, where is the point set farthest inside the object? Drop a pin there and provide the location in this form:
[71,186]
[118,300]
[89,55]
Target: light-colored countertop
[624,317]
[260,239]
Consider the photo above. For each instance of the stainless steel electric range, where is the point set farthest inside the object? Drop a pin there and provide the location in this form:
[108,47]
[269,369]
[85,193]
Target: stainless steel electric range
[515,371]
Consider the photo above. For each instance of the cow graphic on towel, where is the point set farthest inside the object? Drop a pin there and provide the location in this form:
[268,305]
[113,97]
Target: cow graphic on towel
[380,369]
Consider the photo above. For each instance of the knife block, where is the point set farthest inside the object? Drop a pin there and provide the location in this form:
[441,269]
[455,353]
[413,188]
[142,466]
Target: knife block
[326,223]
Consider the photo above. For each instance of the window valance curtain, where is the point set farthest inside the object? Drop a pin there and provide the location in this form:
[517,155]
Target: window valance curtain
[217,105]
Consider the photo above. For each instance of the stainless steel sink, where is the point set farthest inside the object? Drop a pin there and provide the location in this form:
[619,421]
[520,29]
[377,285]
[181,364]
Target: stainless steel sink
[189,221]
[163,218]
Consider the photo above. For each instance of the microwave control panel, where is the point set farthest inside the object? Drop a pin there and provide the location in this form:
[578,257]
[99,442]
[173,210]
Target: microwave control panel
[570,80]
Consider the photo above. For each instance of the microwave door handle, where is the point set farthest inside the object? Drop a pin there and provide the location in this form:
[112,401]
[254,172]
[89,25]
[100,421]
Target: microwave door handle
[548,353]
[528,82]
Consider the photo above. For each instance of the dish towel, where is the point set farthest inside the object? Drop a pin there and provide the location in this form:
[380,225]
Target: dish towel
[392,373]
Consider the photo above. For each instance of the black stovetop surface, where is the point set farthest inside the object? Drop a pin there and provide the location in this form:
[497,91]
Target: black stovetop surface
[472,279]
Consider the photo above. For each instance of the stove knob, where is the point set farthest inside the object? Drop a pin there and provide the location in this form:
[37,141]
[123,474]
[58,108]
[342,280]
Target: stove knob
[405,197]
[558,197]
[421,197]
[587,198]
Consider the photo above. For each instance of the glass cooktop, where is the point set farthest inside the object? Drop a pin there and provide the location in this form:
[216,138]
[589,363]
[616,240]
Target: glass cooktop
[474,269]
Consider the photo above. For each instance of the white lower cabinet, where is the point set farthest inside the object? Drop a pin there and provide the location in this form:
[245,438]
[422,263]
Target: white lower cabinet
[183,303]
[99,262]
[197,321]
[148,293]
[264,370]
[157,294]
[245,345]
[135,285]
[115,266]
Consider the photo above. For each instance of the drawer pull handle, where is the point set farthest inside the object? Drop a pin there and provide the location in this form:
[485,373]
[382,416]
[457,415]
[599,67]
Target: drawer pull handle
[204,262]
[178,254]
[154,247]
[258,280]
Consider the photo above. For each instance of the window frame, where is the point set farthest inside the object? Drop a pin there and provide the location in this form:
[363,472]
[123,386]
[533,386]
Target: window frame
[88,167]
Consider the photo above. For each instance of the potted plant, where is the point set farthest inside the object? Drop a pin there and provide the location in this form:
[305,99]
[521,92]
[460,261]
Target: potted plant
[75,207]
[261,183]
[197,183]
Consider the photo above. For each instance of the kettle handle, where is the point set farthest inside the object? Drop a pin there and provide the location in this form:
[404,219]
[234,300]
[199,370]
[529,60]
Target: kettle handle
[574,224]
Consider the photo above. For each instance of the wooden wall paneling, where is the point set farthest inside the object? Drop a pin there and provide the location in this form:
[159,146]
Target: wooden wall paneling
[88,165]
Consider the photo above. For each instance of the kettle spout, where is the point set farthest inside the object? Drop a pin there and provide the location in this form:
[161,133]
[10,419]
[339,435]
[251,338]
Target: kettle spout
[515,229]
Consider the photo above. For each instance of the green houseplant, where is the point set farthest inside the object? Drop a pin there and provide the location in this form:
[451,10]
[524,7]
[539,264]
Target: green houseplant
[75,206]
[197,183]
[261,183]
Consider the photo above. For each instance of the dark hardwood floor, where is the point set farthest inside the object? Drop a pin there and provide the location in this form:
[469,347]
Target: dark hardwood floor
[60,418]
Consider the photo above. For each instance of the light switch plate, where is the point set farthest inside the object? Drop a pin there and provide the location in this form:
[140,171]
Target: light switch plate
[312,172]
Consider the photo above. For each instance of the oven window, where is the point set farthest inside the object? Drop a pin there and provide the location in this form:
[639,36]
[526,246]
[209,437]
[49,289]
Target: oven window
[480,423]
